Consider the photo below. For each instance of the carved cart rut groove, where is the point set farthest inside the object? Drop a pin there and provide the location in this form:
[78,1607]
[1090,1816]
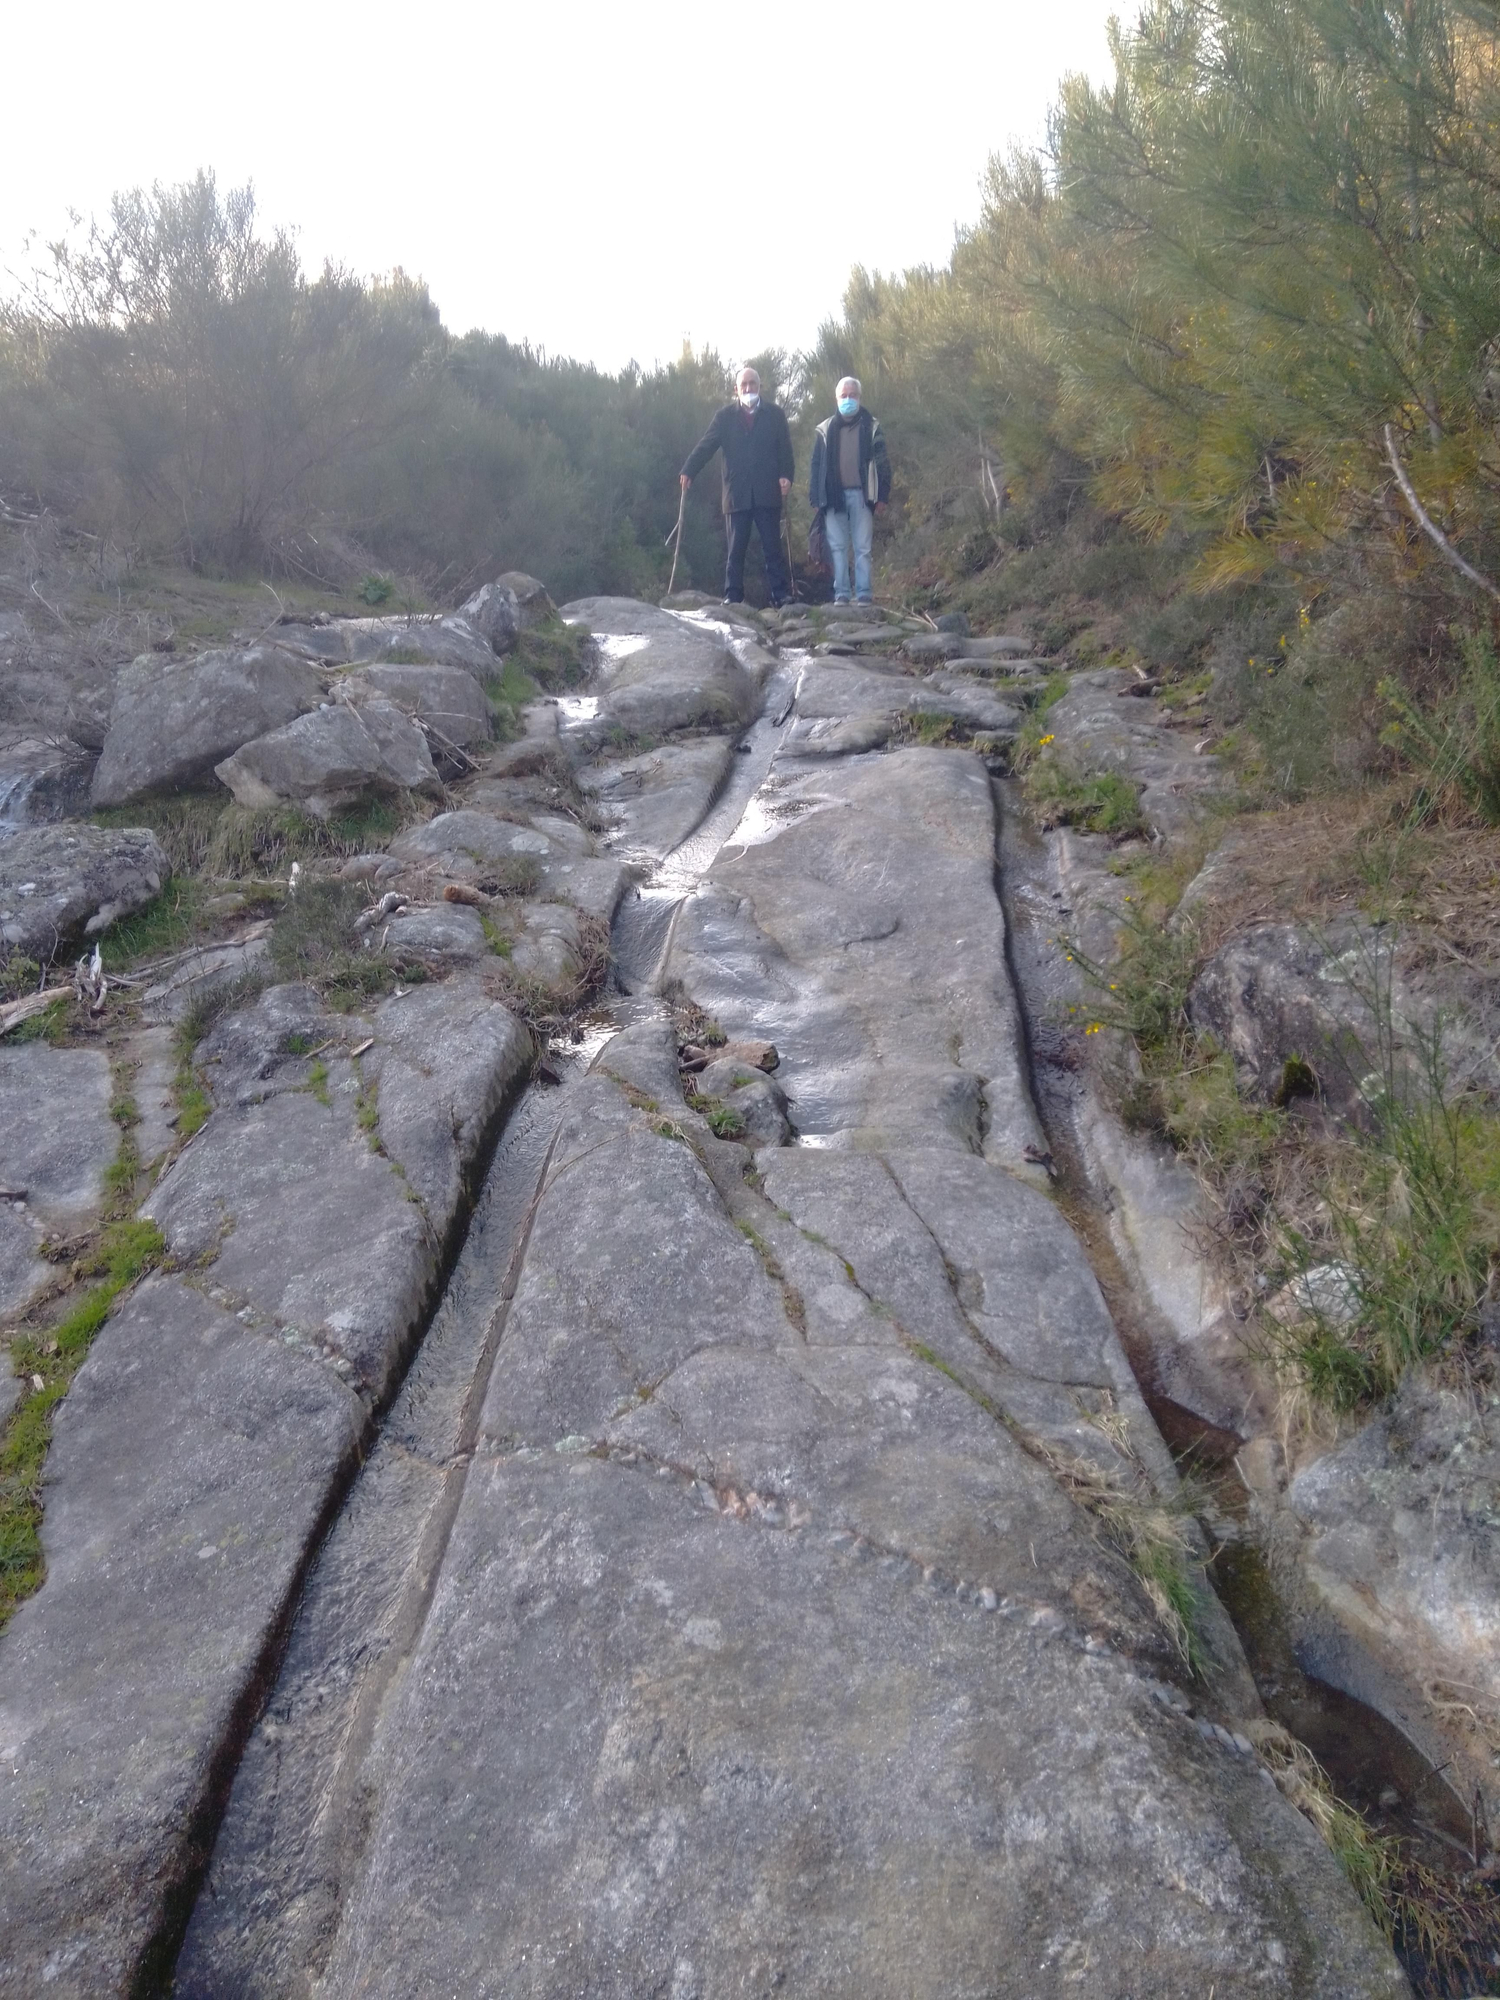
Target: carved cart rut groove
[714,1577]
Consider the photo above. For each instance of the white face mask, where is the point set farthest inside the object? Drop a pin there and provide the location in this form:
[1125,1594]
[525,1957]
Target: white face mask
[749,399]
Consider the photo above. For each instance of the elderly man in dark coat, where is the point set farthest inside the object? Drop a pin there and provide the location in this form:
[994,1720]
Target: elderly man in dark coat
[758,468]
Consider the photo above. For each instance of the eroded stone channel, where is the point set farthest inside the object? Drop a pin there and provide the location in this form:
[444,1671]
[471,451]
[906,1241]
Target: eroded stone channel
[291,1840]
[763,1577]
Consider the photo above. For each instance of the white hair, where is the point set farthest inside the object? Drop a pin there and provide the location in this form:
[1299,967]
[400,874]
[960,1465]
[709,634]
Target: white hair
[849,382]
[748,370]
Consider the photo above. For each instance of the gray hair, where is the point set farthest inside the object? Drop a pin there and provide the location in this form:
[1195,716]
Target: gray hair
[753,373]
[849,382]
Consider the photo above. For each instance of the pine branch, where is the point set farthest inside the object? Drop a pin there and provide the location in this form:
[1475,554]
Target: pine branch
[1429,526]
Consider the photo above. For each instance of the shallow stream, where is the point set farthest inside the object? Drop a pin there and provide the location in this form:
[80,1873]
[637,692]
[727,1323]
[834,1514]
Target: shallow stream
[293,1826]
[295,1822]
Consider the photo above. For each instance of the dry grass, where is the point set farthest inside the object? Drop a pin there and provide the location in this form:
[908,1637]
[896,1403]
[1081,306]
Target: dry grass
[1445,1927]
[547,1005]
[1356,852]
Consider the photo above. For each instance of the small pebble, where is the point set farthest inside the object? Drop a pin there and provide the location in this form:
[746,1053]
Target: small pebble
[988,1598]
[1243,1744]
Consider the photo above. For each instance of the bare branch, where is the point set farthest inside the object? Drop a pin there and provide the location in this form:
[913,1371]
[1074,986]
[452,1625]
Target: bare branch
[1428,526]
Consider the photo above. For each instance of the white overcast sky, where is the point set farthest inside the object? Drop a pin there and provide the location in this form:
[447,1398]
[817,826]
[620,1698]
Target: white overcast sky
[603,180]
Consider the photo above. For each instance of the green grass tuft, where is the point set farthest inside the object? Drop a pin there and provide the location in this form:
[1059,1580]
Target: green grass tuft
[47,1360]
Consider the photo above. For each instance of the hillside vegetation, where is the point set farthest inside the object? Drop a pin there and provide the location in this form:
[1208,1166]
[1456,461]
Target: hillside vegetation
[1213,380]
[175,385]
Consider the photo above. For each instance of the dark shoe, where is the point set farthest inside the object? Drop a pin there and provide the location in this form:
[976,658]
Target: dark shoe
[731,600]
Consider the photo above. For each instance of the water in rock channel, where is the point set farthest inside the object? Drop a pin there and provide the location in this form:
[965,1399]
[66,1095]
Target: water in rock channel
[293,1835]
[291,1830]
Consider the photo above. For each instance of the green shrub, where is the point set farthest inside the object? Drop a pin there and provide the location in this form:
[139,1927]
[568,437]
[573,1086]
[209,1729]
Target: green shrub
[555,655]
[314,939]
[1103,803]
[1414,1225]
[1455,745]
[376,590]
[19,975]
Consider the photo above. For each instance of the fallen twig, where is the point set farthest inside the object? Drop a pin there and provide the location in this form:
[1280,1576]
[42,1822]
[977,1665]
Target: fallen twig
[390,902]
[17,1011]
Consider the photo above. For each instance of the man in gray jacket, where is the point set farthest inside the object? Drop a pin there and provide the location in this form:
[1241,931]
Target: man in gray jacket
[850,483]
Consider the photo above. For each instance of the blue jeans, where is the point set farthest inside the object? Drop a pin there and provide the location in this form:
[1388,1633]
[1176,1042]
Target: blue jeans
[852,524]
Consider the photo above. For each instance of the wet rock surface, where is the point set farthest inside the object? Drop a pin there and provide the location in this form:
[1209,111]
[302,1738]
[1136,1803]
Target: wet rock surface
[660,672]
[60,884]
[866,941]
[728,1600]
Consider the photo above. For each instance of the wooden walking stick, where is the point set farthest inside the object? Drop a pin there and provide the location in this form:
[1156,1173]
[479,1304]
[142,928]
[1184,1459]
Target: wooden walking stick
[791,570]
[677,531]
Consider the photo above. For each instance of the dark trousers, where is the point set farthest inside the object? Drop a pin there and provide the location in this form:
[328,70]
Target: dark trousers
[767,523]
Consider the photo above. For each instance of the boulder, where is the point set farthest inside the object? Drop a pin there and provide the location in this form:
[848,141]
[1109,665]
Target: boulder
[449,641]
[448,699]
[975,706]
[465,845]
[501,611]
[1339,1003]
[1095,731]
[1399,1543]
[936,646]
[660,673]
[439,934]
[757,1102]
[1001,647]
[59,881]
[1276,996]
[332,758]
[549,946]
[42,779]
[174,721]
[495,616]
[57,1142]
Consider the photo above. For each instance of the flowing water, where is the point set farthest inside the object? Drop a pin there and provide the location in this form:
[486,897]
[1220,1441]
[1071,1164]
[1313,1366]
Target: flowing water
[293,1827]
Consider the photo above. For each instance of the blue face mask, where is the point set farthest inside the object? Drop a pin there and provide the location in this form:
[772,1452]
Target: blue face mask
[848,406]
